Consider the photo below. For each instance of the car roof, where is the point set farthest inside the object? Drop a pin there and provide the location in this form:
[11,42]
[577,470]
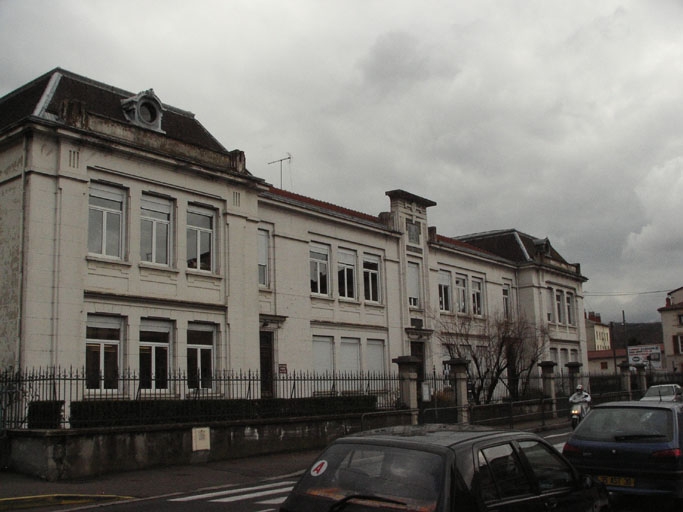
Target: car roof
[643,405]
[432,435]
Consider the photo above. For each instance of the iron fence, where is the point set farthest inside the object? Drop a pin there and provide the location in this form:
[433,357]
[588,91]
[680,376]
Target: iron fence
[26,395]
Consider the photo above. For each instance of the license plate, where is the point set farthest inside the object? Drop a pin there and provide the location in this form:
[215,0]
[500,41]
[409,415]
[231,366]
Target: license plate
[617,481]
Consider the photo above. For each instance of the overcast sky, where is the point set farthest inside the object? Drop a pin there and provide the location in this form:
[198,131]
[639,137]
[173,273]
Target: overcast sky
[558,118]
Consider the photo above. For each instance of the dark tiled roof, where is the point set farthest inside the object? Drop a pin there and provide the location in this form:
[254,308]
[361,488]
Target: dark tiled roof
[21,103]
[99,99]
[459,244]
[512,245]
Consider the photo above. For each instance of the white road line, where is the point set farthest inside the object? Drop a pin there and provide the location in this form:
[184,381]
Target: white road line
[234,491]
[252,495]
[274,501]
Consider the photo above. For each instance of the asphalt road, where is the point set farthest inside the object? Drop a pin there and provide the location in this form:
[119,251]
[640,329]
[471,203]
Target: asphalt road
[264,493]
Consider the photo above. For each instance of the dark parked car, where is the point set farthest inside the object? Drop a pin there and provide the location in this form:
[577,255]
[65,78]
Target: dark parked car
[633,447]
[439,468]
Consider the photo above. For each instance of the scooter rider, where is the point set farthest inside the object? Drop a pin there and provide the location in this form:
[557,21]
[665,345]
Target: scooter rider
[581,397]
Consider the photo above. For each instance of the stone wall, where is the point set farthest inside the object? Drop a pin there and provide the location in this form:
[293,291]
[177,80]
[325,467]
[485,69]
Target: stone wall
[77,453]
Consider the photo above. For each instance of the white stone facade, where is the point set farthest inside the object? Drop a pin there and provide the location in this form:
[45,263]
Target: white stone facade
[99,216]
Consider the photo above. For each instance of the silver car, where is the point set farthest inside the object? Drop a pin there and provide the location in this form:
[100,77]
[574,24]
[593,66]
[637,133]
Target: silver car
[664,393]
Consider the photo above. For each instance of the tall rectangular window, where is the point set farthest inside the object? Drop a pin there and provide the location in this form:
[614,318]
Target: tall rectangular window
[559,306]
[105,221]
[374,356]
[461,293]
[346,273]
[371,277]
[550,307]
[678,344]
[413,229]
[323,354]
[200,239]
[477,297]
[569,298]
[413,279]
[155,346]
[155,230]
[444,291]
[102,342]
[200,343]
[319,257]
[507,311]
[349,355]
[263,250]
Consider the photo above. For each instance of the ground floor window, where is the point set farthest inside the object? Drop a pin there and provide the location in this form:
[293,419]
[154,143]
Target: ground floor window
[103,339]
[155,343]
[200,343]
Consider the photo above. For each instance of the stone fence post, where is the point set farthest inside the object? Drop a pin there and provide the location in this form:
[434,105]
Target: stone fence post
[573,369]
[548,378]
[407,375]
[625,372]
[458,375]
[642,378]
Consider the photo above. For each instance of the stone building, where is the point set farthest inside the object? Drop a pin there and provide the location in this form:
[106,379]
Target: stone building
[132,239]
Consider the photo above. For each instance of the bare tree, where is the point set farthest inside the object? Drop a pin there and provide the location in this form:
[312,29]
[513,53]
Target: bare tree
[496,347]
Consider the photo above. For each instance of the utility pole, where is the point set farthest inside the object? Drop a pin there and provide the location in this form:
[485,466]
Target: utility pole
[288,157]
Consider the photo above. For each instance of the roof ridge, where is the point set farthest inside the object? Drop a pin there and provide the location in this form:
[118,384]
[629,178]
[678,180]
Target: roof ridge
[322,204]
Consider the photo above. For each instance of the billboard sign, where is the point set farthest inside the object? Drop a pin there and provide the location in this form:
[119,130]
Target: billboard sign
[649,355]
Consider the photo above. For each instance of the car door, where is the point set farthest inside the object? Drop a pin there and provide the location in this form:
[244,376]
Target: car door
[502,483]
[556,481]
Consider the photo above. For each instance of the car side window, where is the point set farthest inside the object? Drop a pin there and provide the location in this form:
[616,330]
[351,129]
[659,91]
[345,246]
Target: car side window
[501,474]
[550,470]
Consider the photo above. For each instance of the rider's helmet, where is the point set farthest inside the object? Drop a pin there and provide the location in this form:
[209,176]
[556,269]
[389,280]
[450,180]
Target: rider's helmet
[579,388]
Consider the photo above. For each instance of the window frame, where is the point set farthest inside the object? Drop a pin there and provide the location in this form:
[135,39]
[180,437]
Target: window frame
[199,375]
[569,308]
[461,294]
[158,381]
[413,231]
[413,285]
[507,301]
[159,205]
[110,194]
[263,258]
[372,278]
[346,271]
[199,230]
[477,294]
[104,375]
[559,306]
[445,292]
[320,266]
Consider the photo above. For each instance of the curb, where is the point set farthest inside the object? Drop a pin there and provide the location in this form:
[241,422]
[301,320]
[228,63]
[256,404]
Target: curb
[25,502]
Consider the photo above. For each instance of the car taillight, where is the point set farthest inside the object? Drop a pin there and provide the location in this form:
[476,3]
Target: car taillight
[672,454]
[569,449]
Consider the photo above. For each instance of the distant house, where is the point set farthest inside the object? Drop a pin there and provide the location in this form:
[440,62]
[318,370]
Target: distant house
[672,327]
[131,239]
[597,333]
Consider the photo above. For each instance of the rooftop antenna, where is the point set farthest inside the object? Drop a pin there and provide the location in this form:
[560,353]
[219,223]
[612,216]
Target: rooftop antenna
[288,157]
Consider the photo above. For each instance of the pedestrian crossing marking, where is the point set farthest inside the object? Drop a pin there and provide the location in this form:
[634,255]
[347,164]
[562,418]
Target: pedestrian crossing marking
[240,497]
[288,484]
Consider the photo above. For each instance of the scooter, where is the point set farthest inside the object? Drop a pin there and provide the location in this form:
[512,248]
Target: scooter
[578,412]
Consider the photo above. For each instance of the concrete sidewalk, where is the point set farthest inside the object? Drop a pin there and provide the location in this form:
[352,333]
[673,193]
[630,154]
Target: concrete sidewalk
[23,492]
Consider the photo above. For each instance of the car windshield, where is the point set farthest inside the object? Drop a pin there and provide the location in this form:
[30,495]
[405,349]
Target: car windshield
[627,424]
[659,391]
[412,479]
